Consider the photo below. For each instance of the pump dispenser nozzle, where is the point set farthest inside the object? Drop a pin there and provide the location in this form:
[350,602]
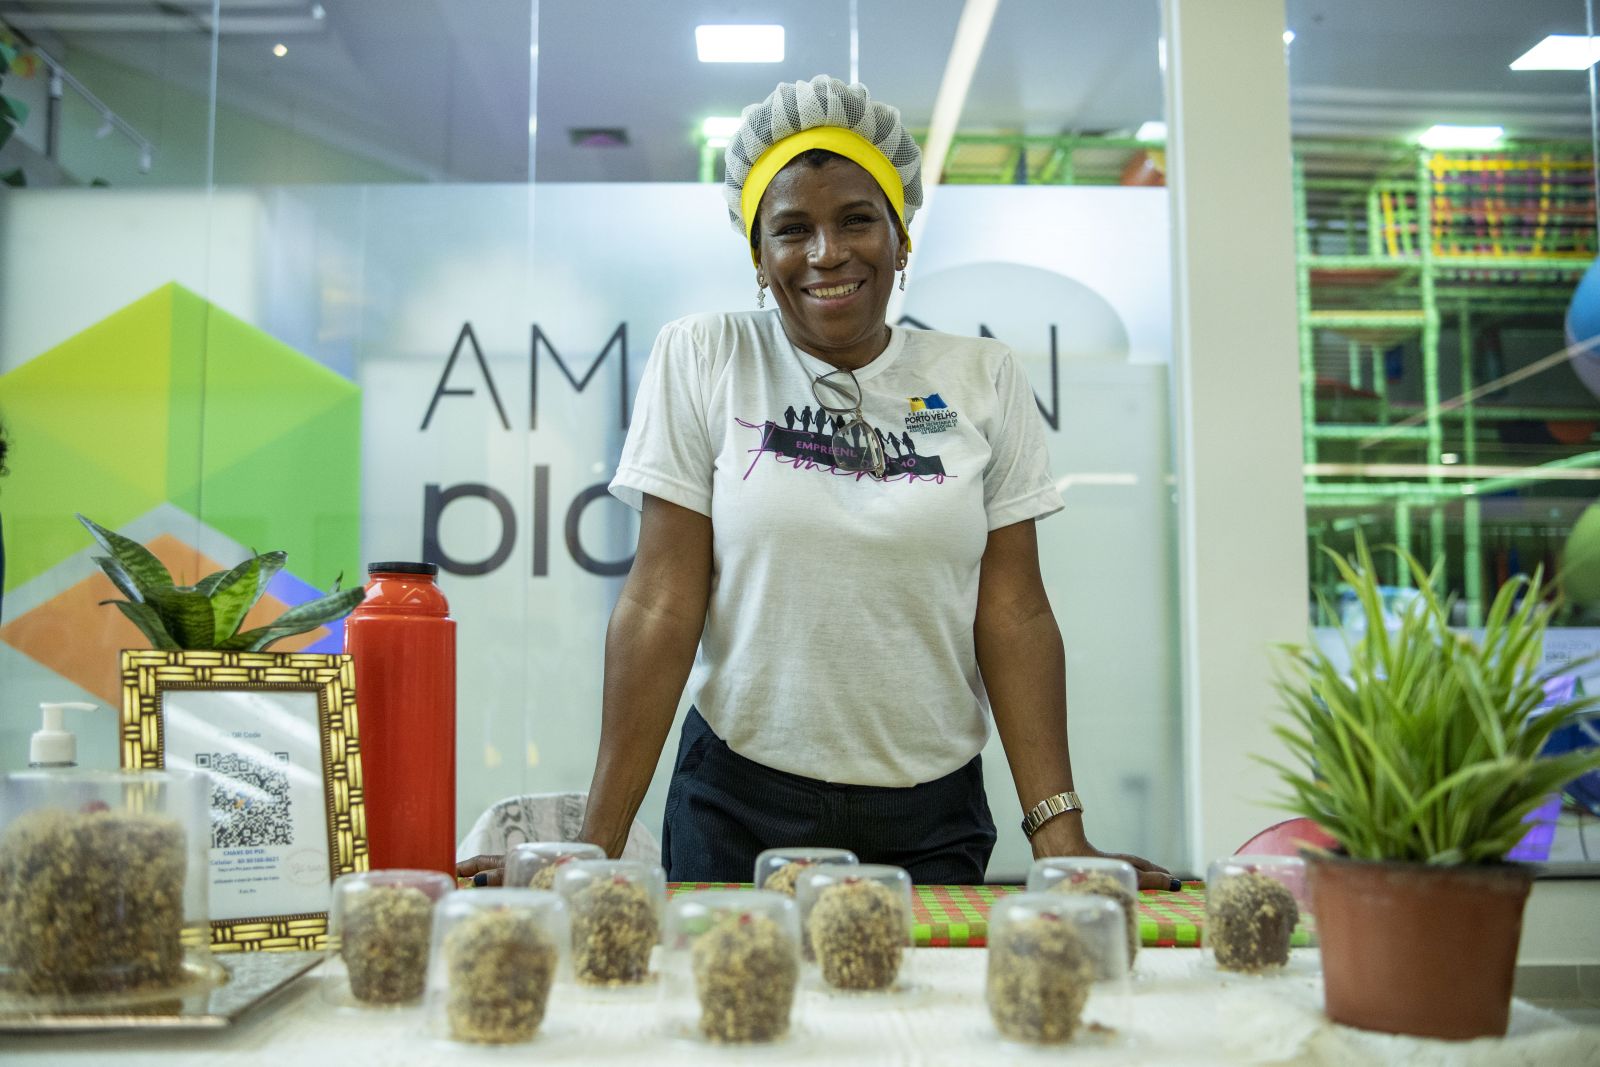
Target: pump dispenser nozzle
[53,745]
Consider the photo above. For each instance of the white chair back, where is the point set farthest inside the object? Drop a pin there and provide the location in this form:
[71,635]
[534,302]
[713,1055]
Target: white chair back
[544,817]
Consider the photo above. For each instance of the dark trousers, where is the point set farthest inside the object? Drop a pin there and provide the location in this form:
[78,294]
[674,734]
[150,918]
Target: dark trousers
[723,809]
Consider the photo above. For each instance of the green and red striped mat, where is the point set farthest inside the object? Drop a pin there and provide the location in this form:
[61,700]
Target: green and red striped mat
[957,916]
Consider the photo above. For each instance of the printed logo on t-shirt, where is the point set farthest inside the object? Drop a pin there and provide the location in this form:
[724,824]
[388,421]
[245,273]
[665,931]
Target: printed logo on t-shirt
[833,444]
[929,414]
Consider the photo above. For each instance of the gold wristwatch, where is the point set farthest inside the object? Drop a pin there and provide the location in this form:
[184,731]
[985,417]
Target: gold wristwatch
[1049,808]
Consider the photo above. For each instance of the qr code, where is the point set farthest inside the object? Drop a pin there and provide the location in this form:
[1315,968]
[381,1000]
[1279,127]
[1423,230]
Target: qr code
[249,801]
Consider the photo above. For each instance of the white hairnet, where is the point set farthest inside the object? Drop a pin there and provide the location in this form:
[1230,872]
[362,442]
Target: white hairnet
[822,101]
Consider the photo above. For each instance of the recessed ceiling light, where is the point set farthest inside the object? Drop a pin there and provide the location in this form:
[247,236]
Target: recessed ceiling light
[739,44]
[1444,136]
[1151,131]
[1560,51]
[280,50]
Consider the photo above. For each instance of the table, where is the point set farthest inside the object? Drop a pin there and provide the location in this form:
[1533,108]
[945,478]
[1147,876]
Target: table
[1181,1012]
[957,916]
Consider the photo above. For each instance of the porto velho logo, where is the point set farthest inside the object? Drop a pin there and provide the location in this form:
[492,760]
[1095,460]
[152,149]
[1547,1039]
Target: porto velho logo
[929,414]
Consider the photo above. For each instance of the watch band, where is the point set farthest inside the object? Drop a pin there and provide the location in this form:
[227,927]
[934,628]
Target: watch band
[1049,808]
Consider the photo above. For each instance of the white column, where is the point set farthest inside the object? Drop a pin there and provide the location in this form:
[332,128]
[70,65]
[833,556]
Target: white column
[1241,509]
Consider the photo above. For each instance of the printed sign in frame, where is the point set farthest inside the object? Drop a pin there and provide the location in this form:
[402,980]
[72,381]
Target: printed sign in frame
[277,733]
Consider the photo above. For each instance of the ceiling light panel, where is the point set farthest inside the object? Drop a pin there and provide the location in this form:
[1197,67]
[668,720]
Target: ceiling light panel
[739,44]
[1560,51]
[1443,136]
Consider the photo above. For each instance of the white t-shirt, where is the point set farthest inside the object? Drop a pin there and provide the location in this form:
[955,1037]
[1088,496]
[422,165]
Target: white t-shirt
[838,642]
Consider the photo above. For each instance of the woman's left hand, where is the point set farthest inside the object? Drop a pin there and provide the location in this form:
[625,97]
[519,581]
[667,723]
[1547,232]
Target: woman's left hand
[1059,837]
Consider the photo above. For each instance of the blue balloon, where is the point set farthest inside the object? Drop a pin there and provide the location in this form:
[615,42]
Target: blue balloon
[1583,324]
[1580,734]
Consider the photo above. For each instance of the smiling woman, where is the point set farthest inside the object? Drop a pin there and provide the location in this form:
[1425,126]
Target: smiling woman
[829,244]
[862,606]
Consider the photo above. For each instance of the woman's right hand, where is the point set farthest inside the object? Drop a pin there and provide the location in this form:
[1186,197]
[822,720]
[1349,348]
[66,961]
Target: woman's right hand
[482,870]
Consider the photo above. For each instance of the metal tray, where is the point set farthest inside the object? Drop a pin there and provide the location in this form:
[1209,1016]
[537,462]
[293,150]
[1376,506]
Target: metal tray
[253,979]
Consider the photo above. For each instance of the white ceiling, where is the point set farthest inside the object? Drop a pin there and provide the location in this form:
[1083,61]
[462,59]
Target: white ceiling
[441,88]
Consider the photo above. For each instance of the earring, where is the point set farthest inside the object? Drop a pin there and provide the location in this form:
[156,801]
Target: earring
[902,281]
[761,290]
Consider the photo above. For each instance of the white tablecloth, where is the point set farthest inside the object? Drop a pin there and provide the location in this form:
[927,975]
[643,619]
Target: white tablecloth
[1181,1013]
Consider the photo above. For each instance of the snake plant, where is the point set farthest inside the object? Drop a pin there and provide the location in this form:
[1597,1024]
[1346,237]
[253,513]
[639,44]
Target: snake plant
[208,614]
[1427,747]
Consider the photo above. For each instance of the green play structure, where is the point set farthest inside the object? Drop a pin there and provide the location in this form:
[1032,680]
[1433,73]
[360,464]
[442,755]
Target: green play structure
[1395,245]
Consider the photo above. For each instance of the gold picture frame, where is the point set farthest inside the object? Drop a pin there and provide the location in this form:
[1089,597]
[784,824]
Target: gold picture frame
[248,717]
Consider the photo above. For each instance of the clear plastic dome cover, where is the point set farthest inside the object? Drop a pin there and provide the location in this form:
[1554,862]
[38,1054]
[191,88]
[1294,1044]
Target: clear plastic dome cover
[1102,876]
[1058,968]
[779,869]
[1254,904]
[857,920]
[533,864]
[615,910]
[103,887]
[731,966]
[380,927]
[497,953]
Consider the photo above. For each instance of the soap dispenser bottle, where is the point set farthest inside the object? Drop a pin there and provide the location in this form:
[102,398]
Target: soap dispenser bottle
[54,746]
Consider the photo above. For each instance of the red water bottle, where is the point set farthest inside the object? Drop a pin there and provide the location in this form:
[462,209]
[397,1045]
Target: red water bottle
[403,641]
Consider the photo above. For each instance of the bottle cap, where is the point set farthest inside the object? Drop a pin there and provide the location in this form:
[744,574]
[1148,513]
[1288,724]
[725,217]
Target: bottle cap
[52,744]
[402,568]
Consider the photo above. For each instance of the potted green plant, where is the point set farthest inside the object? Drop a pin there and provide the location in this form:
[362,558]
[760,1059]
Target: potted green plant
[208,614]
[1421,757]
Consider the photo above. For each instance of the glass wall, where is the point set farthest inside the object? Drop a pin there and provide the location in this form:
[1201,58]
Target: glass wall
[378,281]
[1051,233]
[1447,192]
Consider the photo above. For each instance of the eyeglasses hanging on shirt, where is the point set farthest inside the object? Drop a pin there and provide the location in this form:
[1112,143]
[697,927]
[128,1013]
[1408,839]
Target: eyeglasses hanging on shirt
[854,445]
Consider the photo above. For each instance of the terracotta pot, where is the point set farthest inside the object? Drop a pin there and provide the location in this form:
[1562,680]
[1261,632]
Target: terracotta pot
[1409,948]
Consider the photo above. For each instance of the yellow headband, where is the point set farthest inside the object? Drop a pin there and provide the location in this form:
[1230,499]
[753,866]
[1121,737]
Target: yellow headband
[836,139]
